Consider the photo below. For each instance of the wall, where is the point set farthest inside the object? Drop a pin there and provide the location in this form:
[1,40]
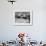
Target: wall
[37,30]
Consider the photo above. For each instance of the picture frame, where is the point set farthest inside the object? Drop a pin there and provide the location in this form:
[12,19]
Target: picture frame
[22,18]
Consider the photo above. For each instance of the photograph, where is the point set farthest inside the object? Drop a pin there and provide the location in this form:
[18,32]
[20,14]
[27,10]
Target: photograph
[23,18]
[22,22]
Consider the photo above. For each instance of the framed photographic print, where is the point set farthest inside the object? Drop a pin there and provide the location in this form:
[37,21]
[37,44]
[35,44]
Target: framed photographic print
[22,18]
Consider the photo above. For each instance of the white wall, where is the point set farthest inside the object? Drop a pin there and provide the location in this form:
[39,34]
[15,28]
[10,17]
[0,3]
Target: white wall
[37,30]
